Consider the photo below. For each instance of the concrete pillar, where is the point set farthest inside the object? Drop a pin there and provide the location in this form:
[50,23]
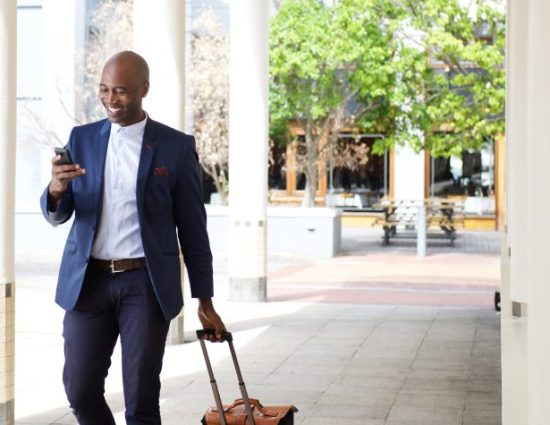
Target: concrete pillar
[517,141]
[421,231]
[538,208]
[248,144]
[8,60]
[159,36]
[514,239]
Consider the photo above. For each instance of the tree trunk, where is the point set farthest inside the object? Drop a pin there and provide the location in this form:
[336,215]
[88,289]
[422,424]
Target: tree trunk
[312,165]
[220,182]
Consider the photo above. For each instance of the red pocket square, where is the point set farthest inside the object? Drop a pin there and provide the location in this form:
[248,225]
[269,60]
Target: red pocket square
[160,171]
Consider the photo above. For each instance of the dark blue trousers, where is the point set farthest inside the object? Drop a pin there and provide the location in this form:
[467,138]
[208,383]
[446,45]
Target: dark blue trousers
[111,305]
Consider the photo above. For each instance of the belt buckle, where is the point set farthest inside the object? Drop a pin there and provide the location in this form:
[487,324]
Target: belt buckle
[112,267]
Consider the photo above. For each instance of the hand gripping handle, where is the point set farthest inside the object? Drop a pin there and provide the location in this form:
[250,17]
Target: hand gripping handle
[226,336]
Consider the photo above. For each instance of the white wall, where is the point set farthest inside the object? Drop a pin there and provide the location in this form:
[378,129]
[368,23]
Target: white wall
[526,340]
[409,174]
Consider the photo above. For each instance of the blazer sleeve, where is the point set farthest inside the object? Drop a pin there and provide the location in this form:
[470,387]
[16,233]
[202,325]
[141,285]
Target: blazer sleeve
[65,208]
[190,218]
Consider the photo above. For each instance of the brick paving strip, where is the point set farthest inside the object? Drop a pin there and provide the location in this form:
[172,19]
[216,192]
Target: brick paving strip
[393,278]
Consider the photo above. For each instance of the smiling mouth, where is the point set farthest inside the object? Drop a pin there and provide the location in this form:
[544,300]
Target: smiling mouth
[114,110]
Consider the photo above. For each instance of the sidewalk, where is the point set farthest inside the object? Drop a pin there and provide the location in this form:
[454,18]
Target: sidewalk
[377,336]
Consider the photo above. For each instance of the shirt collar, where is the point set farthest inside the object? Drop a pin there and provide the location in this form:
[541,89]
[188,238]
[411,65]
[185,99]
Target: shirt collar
[131,130]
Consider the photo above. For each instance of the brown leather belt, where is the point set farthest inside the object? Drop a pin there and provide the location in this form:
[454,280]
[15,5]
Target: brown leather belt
[117,266]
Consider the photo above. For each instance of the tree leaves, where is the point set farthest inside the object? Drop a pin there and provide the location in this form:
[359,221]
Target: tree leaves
[429,74]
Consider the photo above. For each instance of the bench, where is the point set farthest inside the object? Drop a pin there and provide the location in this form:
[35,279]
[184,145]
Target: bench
[441,216]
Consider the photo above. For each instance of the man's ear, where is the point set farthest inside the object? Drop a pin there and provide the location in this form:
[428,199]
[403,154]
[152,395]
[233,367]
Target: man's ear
[145,88]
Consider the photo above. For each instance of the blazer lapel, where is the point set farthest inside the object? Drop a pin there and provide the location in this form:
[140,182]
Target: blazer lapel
[100,151]
[148,147]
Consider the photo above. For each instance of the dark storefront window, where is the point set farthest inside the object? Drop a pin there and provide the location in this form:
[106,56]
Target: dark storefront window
[362,187]
[469,177]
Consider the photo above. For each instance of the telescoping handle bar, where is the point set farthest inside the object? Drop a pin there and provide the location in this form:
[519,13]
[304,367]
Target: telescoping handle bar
[227,337]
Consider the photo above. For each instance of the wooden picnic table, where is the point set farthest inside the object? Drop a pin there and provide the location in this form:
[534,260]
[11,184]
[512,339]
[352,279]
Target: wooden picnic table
[445,215]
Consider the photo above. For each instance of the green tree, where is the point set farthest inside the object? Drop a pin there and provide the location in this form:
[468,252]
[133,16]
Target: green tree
[463,88]
[429,74]
[333,68]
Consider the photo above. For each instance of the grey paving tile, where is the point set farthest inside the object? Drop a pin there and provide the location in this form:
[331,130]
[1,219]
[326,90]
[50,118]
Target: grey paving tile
[339,394]
[441,346]
[371,383]
[301,399]
[367,372]
[487,414]
[426,421]
[430,401]
[490,397]
[482,410]
[441,384]
[481,421]
[398,364]
[299,380]
[433,353]
[297,368]
[313,420]
[405,354]
[426,415]
[415,313]
[327,360]
[348,411]
[404,326]
[374,315]
[442,362]
[62,415]
[439,375]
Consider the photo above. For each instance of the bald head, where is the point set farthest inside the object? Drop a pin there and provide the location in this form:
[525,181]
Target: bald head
[130,62]
[124,83]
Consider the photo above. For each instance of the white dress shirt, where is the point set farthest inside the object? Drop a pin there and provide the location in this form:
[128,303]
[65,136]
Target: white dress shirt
[119,235]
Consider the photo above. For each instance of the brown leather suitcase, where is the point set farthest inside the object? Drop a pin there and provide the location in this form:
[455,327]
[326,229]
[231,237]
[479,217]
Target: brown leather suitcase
[245,410]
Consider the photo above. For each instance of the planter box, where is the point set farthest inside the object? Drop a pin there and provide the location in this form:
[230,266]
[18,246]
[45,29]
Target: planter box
[312,232]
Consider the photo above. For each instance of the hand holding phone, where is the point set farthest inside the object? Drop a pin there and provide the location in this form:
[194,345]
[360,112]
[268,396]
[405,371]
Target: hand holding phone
[63,171]
[65,156]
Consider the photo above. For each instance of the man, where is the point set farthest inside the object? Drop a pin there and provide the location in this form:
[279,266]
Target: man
[134,189]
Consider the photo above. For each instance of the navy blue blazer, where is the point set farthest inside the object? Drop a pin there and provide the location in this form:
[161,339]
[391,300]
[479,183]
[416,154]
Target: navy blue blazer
[170,207]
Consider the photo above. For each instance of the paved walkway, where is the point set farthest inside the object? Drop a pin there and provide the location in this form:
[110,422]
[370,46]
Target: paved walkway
[376,336]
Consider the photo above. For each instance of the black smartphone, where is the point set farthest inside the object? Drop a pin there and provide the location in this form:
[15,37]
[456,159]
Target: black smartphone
[65,156]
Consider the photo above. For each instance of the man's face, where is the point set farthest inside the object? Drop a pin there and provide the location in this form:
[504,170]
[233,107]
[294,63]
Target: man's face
[121,91]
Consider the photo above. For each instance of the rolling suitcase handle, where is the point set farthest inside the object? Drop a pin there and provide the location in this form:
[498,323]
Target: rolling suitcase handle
[228,337]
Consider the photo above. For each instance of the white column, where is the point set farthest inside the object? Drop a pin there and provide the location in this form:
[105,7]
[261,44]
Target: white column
[517,141]
[248,144]
[8,60]
[409,174]
[538,208]
[514,242]
[159,36]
